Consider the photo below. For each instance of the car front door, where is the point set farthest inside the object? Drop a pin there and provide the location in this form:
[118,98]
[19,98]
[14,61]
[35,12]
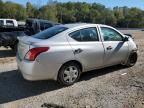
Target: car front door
[116,50]
[87,47]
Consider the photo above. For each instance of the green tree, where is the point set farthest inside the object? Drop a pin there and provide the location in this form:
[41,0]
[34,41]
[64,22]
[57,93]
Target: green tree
[48,12]
[30,10]
[13,10]
[71,12]
[1,8]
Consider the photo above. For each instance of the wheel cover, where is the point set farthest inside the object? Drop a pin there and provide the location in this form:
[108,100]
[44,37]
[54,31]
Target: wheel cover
[70,74]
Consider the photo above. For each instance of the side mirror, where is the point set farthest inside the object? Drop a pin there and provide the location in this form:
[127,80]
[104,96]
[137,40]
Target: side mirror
[128,35]
[125,39]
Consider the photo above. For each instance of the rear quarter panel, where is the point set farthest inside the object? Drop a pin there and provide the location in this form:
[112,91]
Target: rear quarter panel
[59,50]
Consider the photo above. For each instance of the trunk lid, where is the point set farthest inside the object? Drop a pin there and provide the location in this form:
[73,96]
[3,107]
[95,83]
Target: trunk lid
[24,45]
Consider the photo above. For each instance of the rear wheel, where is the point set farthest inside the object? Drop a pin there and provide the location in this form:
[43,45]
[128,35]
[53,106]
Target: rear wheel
[132,59]
[69,74]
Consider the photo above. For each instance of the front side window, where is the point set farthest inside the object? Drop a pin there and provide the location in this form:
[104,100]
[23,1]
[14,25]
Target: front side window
[85,35]
[110,34]
[50,32]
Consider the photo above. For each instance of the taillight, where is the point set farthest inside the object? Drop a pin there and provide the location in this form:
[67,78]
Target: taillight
[34,52]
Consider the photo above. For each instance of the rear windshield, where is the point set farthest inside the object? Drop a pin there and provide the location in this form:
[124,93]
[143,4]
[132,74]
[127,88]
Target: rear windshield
[50,32]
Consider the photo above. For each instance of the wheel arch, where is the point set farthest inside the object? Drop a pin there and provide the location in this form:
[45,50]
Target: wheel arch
[71,61]
[130,54]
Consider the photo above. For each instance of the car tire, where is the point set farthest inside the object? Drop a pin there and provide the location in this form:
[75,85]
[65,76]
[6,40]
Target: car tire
[69,73]
[132,59]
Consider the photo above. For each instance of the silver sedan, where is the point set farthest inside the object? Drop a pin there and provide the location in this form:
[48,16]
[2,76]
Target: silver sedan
[65,51]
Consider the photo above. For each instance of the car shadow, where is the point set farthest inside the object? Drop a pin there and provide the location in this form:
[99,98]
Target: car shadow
[7,53]
[14,87]
[95,73]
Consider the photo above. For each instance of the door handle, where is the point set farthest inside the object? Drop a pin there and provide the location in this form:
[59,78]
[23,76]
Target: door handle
[109,48]
[77,51]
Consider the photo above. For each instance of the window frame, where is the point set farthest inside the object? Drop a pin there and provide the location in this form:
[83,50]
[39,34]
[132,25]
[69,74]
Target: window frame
[83,29]
[113,30]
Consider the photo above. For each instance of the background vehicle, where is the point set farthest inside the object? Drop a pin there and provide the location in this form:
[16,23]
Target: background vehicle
[34,26]
[8,23]
[9,34]
[63,52]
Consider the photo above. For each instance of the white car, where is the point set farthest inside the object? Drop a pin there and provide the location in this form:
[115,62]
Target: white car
[63,52]
[8,23]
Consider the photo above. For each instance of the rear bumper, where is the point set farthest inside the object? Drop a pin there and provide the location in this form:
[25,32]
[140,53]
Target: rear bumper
[31,77]
[37,71]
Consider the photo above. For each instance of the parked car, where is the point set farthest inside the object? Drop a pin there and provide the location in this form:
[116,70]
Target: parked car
[63,52]
[9,34]
[34,26]
[8,23]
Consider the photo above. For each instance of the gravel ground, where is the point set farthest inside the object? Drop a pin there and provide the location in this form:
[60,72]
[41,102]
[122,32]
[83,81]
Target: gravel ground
[113,87]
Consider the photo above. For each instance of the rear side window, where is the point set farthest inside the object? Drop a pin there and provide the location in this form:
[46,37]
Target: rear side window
[50,32]
[85,35]
[9,23]
[76,35]
[28,23]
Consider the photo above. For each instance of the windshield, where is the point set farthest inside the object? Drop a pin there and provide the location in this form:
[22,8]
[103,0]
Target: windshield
[50,32]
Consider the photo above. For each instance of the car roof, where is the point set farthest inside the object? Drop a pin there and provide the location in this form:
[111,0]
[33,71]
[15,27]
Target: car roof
[73,25]
[6,19]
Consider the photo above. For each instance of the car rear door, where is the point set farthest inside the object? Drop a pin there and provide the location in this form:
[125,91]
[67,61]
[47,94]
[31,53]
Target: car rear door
[116,50]
[87,47]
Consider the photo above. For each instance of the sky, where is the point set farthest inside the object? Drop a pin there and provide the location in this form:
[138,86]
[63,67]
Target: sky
[107,3]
